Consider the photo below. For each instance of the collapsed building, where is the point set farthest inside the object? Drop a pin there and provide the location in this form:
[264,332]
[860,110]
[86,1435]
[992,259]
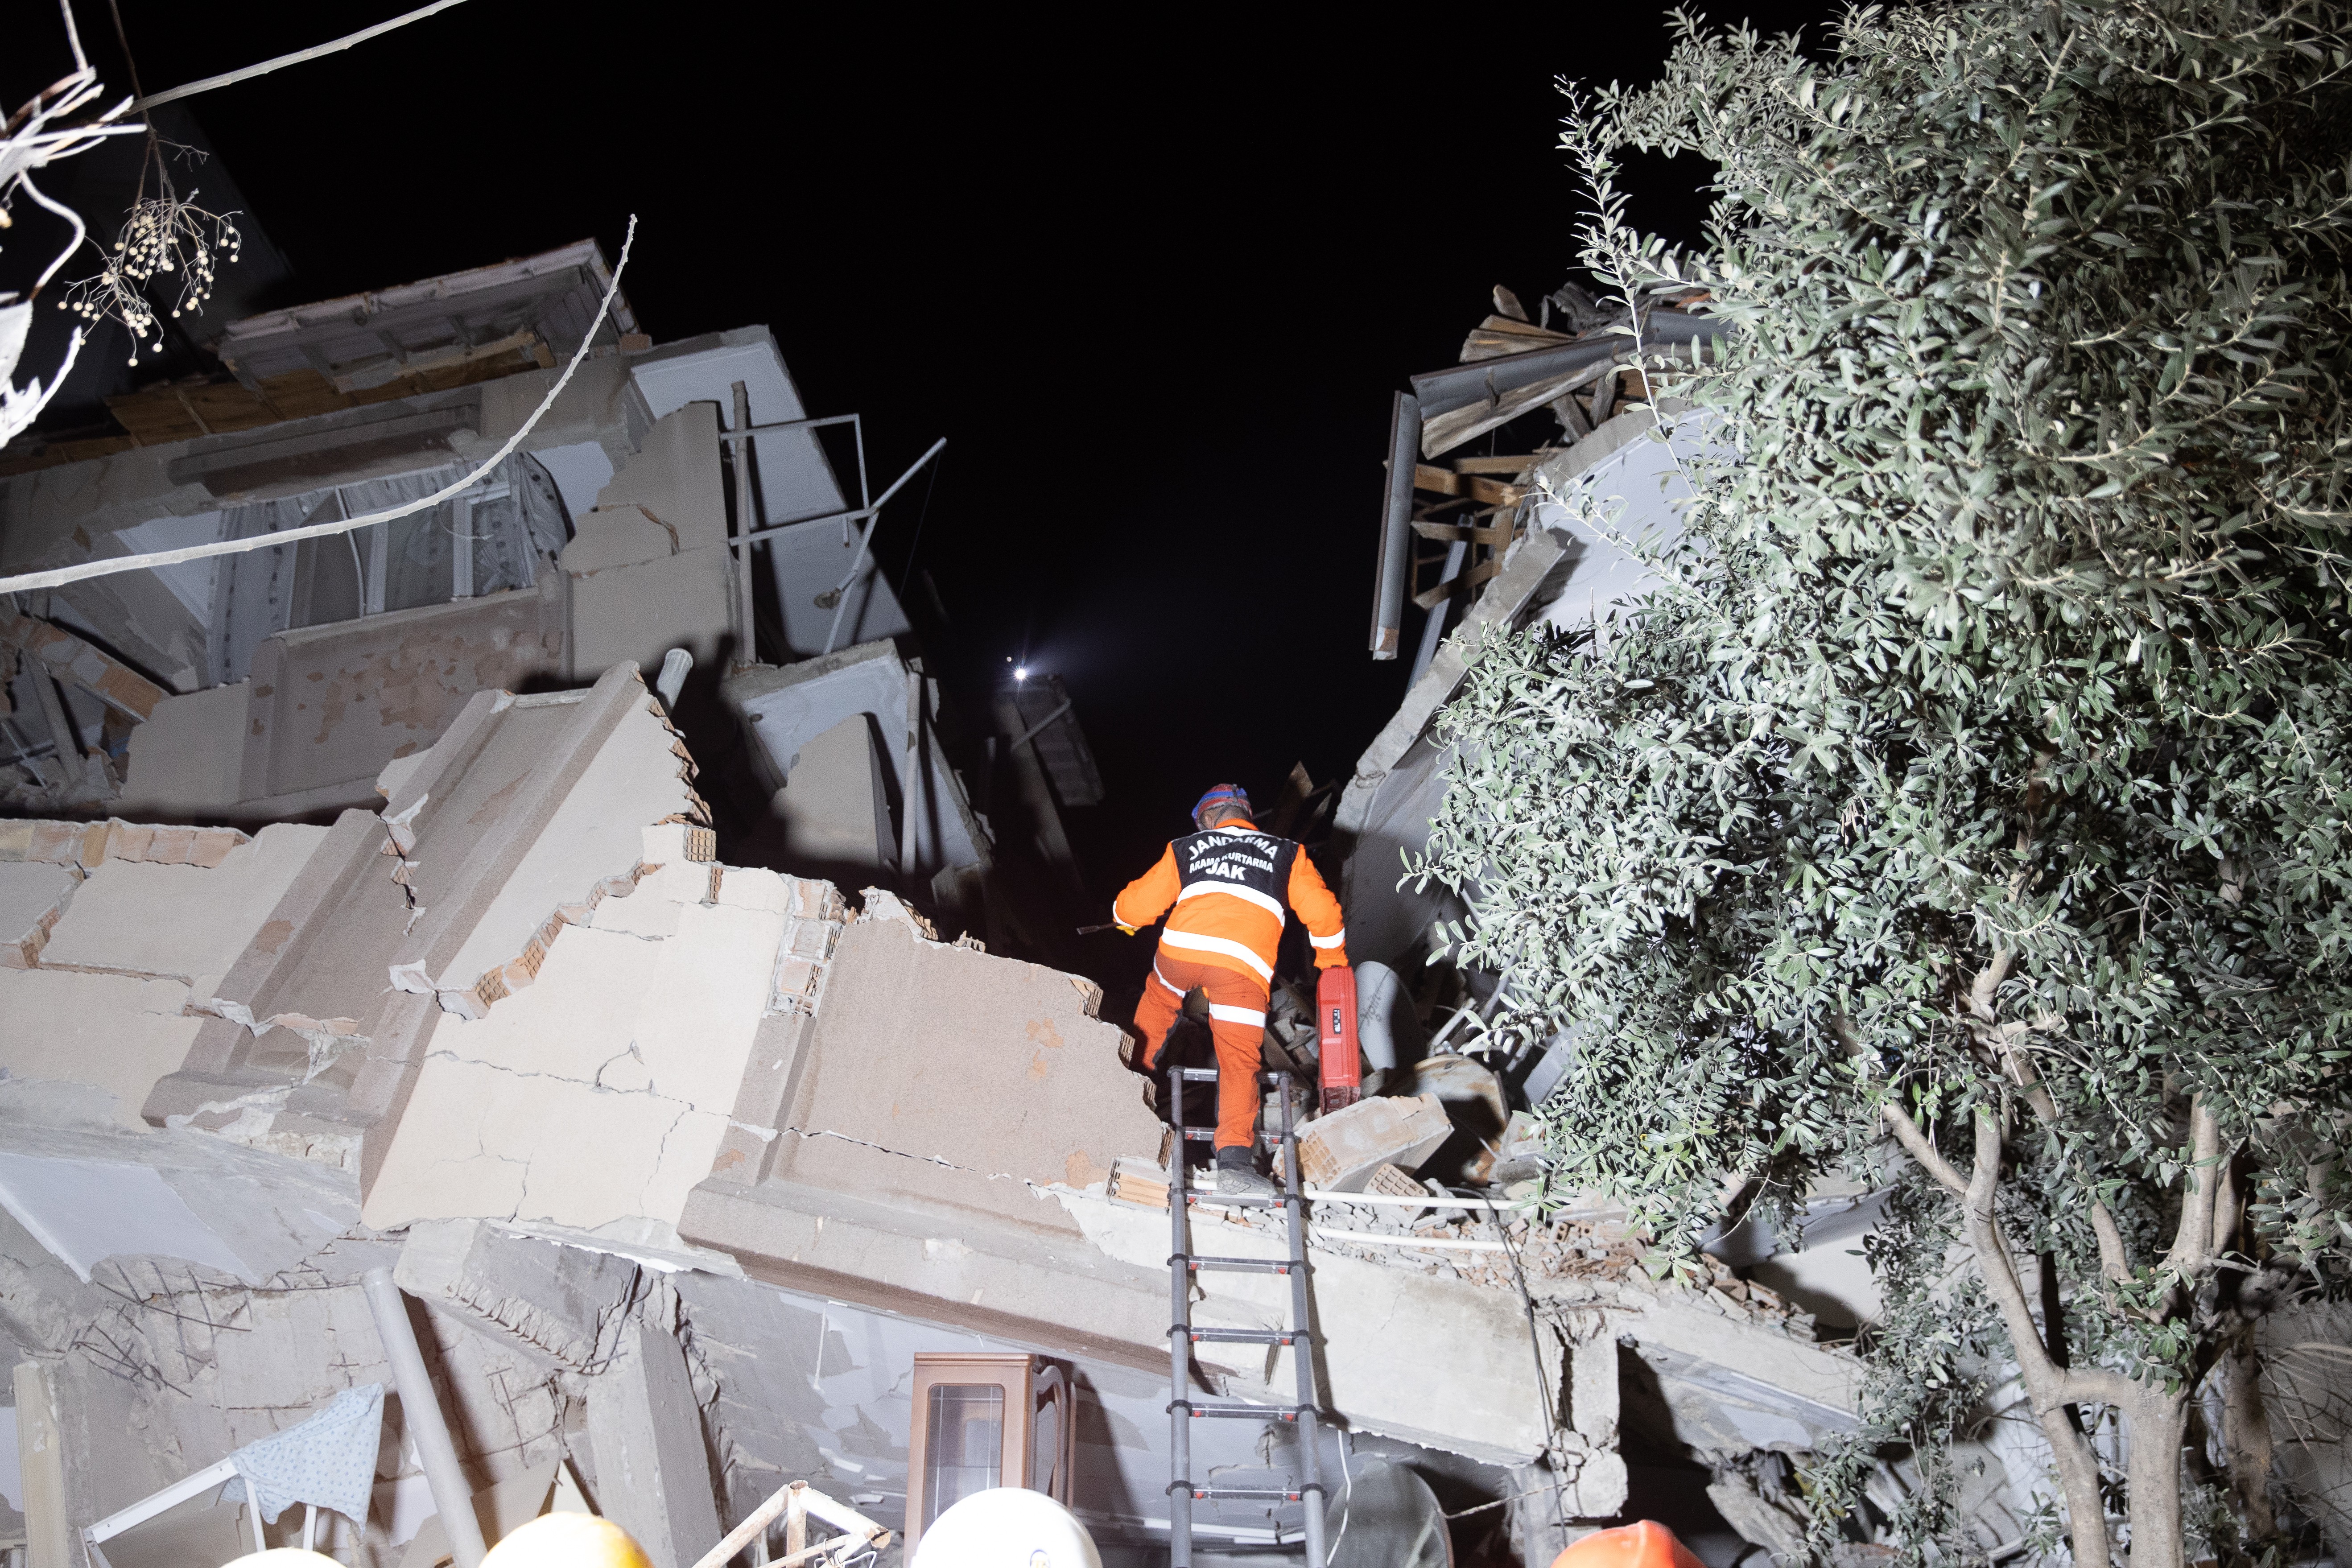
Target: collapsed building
[364,917]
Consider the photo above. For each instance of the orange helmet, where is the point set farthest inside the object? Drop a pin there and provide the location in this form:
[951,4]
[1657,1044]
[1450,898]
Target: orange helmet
[1645,1543]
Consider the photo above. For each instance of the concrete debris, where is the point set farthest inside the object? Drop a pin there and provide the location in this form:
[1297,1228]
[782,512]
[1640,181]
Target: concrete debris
[1339,1153]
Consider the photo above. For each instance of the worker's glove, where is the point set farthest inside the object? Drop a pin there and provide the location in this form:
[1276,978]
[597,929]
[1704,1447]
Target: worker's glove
[1127,930]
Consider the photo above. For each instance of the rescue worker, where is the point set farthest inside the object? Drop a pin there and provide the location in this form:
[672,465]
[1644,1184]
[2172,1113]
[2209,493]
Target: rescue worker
[1226,890]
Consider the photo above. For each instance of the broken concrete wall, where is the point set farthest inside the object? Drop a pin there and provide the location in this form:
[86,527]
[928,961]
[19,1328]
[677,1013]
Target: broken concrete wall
[593,1100]
[833,814]
[326,707]
[114,994]
[527,813]
[786,709]
[647,1428]
[649,565]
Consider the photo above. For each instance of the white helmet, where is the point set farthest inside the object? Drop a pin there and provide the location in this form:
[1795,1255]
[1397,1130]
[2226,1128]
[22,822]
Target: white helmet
[1007,1527]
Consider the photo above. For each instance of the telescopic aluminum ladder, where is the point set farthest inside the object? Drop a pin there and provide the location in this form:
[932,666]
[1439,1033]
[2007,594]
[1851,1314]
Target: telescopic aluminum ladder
[1183,1263]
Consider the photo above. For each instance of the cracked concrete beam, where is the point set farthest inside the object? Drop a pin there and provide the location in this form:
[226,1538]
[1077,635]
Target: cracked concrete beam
[653,1469]
[562,1305]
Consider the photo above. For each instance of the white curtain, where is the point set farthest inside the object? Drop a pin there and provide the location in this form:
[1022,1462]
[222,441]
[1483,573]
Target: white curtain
[255,595]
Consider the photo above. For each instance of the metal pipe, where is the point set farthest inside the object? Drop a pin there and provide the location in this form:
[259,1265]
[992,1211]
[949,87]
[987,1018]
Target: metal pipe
[746,652]
[452,1497]
[748,431]
[676,666]
[865,539]
[1455,553]
[774,528]
[911,780]
[1394,562]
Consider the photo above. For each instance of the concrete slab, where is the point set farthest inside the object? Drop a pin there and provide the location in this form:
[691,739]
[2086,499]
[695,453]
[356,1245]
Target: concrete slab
[33,894]
[598,1095]
[331,705]
[115,1032]
[87,1211]
[574,822]
[188,759]
[185,922]
[675,480]
[832,810]
[1432,1361]
[941,1075]
[639,613]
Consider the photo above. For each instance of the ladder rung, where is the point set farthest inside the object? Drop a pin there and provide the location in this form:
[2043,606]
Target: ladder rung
[1234,1410]
[1199,1074]
[1234,1202]
[1237,1336]
[1247,1494]
[1199,1134]
[1197,1263]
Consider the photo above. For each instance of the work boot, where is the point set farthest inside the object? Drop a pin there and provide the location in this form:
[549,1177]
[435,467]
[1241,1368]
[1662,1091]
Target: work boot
[1237,1175]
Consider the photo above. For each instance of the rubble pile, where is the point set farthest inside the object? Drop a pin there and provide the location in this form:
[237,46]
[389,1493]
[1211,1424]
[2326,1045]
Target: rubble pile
[685,1054]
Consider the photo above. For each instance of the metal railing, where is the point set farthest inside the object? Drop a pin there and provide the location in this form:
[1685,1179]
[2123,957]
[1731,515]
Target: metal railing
[750,532]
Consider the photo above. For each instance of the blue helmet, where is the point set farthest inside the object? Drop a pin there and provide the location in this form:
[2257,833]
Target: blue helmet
[1225,800]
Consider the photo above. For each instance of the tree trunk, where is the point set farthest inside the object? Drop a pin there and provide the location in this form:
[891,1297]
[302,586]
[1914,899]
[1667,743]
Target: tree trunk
[2047,1383]
[2078,1478]
[2158,1423]
[2246,1438]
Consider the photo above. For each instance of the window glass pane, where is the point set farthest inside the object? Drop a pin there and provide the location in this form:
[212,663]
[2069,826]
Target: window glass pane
[417,564]
[965,1440]
[1045,1443]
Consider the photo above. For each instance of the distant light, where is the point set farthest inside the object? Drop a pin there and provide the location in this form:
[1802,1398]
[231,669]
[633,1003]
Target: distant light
[1020,672]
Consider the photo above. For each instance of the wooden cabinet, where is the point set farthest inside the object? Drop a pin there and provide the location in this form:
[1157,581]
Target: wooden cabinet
[986,1420]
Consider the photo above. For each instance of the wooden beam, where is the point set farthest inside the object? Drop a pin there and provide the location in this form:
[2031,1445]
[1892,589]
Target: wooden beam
[1496,537]
[1499,335]
[1494,494]
[1470,579]
[1493,465]
[69,658]
[1441,482]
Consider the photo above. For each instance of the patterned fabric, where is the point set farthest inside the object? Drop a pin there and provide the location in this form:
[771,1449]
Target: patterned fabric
[328,1460]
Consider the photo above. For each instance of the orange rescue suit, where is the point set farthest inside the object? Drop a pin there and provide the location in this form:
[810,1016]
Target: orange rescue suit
[1226,892]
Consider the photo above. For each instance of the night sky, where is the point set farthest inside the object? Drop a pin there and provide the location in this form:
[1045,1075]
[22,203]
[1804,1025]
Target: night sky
[1155,280]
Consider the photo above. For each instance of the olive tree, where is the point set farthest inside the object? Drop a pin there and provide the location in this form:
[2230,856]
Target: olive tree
[1964,804]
